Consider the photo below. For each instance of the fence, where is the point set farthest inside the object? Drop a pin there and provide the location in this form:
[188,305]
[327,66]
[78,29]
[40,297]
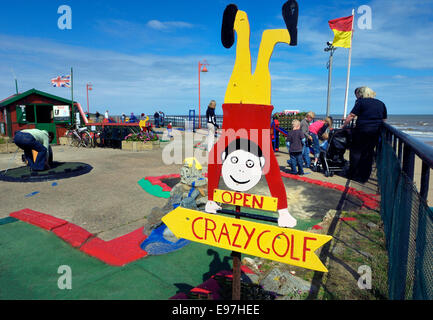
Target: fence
[285,123]
[179,121]
[408,221]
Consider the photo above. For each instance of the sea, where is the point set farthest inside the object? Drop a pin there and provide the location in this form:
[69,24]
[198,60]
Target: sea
[418,126]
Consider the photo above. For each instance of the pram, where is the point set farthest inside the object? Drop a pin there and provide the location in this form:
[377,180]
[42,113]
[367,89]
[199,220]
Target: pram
[332,159]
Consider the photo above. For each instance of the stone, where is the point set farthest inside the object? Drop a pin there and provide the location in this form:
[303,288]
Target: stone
[189,203]
[201,201]
[153,220]
[250,263]
[372,226]
[192,176]
[329,215]
[169,236]
[284,283]
[250,278]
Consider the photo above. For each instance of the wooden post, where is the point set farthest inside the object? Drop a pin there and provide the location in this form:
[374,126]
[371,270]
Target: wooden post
[236,284]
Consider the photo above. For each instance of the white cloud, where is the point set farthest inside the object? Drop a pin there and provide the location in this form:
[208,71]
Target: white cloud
[158,25]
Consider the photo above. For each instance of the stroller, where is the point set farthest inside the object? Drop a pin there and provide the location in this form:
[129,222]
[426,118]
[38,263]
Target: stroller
[332,159]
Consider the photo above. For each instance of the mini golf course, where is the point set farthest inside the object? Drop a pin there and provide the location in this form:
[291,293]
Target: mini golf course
[59,170]
[31,256]
[35,245]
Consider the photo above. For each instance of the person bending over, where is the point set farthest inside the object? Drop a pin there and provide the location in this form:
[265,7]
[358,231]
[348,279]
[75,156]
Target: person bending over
[38,140]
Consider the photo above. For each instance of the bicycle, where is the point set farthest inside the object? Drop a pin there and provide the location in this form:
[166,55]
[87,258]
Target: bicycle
[79,137]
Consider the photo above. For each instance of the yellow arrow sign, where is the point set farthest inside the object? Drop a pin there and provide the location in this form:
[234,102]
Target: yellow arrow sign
[288,246]
[246,200]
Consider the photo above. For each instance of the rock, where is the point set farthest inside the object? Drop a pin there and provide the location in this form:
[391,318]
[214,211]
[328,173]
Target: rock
[366,254]
[284,283]
[153,220]
[372,226]
[188,203]
[250,263]
[203,191]
[169,236]
[201,201]
[178,189]
[329,215]
[250,278]
[192,176]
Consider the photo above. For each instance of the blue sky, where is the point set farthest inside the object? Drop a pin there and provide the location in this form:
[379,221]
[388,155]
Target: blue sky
[142,56]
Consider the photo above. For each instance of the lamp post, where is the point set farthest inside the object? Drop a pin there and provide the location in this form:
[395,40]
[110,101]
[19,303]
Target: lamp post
[201,68]
[88,87]
[331,50]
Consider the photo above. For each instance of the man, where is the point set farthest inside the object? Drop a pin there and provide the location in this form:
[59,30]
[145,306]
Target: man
[305,124]
[156,117]
[38,140]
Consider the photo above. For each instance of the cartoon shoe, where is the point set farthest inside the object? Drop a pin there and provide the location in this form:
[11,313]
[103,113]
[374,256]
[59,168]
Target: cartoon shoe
[285,219]
[212,207]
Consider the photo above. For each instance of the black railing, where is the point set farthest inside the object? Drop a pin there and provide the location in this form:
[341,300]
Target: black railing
[407,148]
[407,218]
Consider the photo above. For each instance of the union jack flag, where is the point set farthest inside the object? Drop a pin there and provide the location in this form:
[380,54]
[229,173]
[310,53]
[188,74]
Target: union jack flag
[64,81]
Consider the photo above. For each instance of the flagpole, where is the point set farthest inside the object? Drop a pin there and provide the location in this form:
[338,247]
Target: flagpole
[72,96]
[348,68]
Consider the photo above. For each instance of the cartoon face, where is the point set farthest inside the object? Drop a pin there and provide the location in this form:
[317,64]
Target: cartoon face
[241,170]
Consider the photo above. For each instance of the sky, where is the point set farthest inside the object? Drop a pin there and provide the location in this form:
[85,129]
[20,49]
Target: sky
[142,56]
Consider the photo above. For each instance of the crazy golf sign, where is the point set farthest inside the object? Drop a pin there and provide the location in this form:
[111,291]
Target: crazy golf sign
[284,245]
[243,155]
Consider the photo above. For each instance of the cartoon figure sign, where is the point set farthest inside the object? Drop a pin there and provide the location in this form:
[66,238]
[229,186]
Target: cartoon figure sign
[244,152]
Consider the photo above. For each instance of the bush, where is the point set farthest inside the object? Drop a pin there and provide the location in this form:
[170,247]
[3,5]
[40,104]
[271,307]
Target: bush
[141,136]
[285,120]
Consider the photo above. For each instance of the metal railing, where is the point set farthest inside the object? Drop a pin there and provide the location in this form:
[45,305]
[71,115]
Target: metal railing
[407,218]
[407,148]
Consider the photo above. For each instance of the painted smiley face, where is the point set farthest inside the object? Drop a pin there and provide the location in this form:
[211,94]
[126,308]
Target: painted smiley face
[242,170]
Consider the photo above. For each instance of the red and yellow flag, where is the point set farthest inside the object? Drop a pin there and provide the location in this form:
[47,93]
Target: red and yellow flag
[342,28]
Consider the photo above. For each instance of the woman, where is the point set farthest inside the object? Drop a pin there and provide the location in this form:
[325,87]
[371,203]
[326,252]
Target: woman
[370,113]
[317,129]
[211,124]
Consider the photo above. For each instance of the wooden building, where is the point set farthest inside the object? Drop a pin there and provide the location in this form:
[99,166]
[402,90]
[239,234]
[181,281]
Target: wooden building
[35,109]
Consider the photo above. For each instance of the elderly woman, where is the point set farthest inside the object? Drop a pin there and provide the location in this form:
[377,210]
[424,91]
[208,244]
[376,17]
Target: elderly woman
[370,113]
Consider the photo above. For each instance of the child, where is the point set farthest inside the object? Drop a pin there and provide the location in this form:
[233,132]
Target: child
[169,128]
[295,145]
[316,131]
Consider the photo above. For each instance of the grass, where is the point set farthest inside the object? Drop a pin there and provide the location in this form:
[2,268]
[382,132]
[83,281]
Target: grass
[355,245]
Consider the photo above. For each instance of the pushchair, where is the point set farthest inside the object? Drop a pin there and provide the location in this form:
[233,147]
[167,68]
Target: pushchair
[332,159]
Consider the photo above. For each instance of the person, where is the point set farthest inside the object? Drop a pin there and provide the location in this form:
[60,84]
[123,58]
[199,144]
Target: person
[370,113]
[132,118]
[161,118]
[38,140]
[169,129]
[305,123]
[211,124]
[143,116]
[156,117]
[123,117]
[317,129]
[106,115]
[295,144]
[97,115]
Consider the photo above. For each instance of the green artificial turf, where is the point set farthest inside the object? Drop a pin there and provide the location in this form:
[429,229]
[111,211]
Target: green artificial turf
[30,258]
[154,190]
